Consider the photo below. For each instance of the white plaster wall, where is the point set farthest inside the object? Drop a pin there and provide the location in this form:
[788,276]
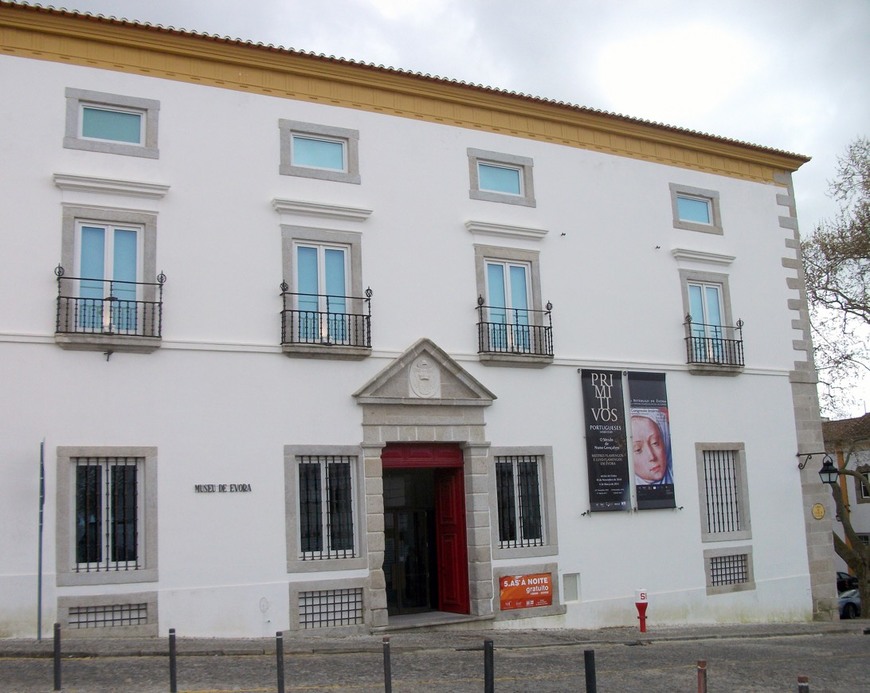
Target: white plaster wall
[219,400]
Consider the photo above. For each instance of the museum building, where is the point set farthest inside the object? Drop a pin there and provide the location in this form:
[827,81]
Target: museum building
[296,342]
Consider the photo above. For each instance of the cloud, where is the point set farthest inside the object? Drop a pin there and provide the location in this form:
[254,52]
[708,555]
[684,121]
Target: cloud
[677,74]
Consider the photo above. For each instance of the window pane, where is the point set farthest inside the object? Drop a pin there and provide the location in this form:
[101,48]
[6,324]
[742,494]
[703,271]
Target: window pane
[519,298]
[340,507]
[335,286]
[316,153]
[124,273]
[714,314]
[499,179]
[696,309]
[89,513]
[123,530]
[530,501]
[118,126]
[507,516]
[496,288]
[91,269]
[307,279]
[693,209]
[310,507]
[92,262]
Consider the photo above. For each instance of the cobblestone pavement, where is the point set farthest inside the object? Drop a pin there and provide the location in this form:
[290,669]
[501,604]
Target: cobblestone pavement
[836,657]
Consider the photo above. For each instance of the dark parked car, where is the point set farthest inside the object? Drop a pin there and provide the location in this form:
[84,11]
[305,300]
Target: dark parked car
[846,582]
[850,604]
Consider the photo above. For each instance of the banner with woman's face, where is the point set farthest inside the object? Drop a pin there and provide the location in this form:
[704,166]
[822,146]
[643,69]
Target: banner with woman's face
[651,457]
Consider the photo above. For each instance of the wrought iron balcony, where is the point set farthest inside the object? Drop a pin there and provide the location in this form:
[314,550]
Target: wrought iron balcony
[108,307]
[714,345]
[322,320]
[520,332]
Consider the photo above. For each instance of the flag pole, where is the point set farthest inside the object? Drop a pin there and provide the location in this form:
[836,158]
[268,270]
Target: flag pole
[39,572]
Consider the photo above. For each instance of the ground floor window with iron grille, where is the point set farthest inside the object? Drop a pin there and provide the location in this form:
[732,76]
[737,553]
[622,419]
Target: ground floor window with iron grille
[326,507]
[108,616]
[107,513]
[518,486]
[326,608]
[729,570]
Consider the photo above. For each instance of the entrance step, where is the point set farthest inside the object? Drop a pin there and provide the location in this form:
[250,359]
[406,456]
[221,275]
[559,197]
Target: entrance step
[429,619]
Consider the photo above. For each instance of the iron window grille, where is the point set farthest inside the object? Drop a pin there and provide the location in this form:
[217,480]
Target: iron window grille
[133,309]
[326,507]
[722,492]
[714,345]
[108,616]
[326,320]
[107,514]
[518,490]
[729,570]
[324,608]
[516,331]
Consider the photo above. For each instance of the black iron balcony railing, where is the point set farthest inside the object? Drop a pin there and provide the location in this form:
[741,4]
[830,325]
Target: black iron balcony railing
[714,345]
[89,306]
[326,320]
[514,331]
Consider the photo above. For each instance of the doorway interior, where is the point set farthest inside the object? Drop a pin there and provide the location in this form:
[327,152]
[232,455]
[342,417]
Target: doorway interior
[425,547]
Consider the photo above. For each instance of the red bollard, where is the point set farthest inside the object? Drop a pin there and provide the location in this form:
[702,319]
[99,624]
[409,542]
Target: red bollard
[641,603]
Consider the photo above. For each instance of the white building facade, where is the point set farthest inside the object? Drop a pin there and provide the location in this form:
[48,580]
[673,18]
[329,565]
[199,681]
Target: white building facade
[313,344]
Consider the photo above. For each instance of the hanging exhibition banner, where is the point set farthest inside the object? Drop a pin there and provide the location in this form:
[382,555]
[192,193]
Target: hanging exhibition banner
[606,449]
[652,462]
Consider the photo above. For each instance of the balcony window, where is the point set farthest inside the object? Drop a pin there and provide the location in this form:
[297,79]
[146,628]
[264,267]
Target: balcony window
[326,320]
[514,331]
[93,305]
[325,313]
[512,326]
[109,294]
[713,341]
[712,344]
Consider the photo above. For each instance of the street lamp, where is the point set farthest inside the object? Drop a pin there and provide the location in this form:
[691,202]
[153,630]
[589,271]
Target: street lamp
[828,473]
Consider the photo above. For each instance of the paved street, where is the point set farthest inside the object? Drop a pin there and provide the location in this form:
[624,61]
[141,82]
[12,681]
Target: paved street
[747,659]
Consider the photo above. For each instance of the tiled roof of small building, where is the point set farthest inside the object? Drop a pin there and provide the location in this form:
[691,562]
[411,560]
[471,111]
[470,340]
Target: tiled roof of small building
[847,430]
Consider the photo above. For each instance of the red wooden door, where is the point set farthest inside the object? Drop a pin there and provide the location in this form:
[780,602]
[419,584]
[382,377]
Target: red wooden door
[451,544]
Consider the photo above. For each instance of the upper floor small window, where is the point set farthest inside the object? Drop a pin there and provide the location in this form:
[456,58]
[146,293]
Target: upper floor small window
[111,123]
[695,209]
[497,177]
[500,179]
[309,150]
[319,153]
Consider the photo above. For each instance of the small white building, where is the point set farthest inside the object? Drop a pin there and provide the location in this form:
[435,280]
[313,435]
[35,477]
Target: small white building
[310,343]
[848,443]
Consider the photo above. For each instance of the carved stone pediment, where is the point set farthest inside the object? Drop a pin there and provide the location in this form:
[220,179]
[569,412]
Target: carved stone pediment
[424,374]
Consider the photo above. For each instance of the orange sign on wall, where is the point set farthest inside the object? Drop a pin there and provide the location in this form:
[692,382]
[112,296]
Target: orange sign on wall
[526,591]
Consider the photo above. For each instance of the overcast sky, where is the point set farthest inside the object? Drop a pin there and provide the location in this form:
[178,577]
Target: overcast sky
[788,74]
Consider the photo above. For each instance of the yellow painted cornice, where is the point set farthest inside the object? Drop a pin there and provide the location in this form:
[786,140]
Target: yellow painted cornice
[54,35]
